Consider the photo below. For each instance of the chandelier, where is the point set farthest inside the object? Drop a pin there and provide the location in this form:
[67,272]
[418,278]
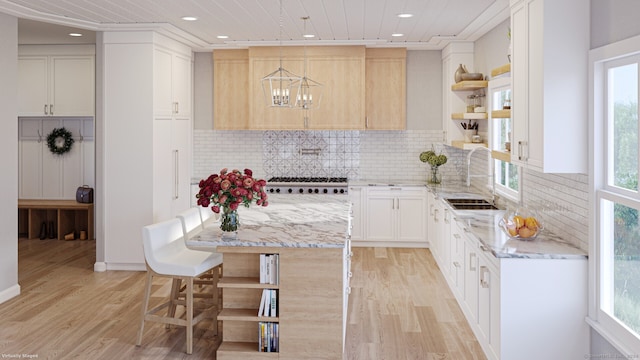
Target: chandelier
[280,85]
[308,91]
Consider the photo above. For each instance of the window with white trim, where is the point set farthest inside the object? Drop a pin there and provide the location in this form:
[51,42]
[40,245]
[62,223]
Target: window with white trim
[616,155]
[506,174]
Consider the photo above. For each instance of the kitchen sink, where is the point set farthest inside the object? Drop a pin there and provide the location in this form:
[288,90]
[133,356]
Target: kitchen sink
[470,204]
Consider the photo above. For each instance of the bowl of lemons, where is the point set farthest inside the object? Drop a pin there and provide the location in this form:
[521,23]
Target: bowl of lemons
[521,224]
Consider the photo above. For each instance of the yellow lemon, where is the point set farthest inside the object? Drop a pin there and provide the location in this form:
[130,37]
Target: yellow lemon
[519,221]
[531,223]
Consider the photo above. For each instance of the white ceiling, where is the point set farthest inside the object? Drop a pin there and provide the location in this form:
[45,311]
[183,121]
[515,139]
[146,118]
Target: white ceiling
[257,22]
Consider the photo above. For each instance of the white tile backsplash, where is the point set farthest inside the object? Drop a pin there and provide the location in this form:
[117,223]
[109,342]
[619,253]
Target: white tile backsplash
[383,156]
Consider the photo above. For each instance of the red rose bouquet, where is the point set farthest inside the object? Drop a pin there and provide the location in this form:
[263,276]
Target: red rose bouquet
[228,190]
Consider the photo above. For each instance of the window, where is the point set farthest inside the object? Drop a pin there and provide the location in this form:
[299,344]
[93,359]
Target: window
[506,174]
[616,243]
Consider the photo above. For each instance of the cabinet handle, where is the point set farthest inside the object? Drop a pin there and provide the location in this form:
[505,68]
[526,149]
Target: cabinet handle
[176,174]
[446,218]
[457,236]
[46,109]
[456,264]
[431,210]
[435,215]
[366,122]
[50,109]
[39,136]
[444,136]
[483,281]
[520,156]
[472,257]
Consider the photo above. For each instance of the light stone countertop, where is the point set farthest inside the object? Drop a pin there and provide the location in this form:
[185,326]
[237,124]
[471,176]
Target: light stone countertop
[484,225]
[304,221]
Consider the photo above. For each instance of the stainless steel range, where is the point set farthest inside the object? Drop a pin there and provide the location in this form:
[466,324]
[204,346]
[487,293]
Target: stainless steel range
[307,185]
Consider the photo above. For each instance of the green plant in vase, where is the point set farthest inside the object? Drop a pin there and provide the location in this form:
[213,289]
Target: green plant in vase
[435,160]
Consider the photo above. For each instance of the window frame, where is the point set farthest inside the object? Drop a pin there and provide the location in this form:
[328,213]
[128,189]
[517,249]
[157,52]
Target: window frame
[600,61]
[499,84]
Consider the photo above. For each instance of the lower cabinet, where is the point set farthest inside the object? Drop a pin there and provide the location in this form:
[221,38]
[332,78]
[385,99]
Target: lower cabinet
[519,308]
[390,216]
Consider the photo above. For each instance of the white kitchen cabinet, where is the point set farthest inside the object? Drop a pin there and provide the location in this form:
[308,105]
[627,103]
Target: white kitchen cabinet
[391,216]
[550,41]
[510,303]
[172,80]
[456,264]
[171,132]
[357,198]
[56,80]
[44,175]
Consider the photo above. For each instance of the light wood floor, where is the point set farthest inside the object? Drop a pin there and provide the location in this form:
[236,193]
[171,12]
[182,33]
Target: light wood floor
[400,308]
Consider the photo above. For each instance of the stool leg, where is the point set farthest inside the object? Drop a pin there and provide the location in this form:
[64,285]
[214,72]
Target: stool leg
[173,298]
[145,306]
[189,315]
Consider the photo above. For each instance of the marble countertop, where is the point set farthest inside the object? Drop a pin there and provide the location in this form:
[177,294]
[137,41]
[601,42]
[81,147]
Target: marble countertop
[483,225]
[378,182]
[304,221]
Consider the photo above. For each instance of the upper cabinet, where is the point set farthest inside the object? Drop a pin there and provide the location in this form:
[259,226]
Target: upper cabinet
[172,79]
[550,41]
[385,91]
[340,69]
[56,80]
[231,81]
[362,88]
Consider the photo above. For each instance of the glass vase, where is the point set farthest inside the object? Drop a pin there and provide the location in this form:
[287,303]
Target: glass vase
[434,175]
[229,222]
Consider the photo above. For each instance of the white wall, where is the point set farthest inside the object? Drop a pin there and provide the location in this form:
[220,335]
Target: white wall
[9,160]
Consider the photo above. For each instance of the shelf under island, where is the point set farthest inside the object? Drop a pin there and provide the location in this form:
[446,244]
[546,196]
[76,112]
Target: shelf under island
[309,233]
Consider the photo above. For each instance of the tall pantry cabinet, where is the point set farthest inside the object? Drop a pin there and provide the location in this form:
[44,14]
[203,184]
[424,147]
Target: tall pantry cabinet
[146,135]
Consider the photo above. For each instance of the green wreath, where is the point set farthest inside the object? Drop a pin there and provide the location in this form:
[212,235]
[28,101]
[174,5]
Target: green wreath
[60,141]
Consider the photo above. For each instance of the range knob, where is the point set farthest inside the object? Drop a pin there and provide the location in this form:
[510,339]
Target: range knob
[310,191]
[335,191]
[278,190]
[270,190]
[325,191]
[290,190]
[341,191]
[315,191]
[301,191]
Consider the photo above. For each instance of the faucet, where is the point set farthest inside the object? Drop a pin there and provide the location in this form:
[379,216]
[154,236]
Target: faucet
[492,173]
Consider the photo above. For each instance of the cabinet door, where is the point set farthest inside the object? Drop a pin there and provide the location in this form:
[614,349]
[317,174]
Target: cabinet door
[385,89]
[181,135]
[356,195]
[230,84]
[337,110]
[471,279]
[262,116]
[163,164]
[411,219]
[72,86]
[33,85]
[162,93]
[381,217]
[488,297]
[181,85]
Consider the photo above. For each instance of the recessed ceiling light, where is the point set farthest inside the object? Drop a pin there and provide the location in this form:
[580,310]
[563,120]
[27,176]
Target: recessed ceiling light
[222,36]
[189,18]
[405,15]
[397,35]
[308,35]
[75,34]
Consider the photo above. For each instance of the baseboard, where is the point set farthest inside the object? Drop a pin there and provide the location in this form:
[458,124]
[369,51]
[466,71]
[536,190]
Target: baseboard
[100,266]
[391,244]
[126,266]
[9,293]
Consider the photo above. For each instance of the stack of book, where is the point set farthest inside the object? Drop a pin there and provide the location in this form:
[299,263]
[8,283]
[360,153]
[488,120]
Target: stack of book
[269,273]
[269,303]
[268,337]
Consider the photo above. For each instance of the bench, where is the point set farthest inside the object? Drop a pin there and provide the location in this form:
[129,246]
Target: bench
[67,215]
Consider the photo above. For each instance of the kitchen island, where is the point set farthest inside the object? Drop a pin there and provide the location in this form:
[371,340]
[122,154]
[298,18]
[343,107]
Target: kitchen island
[309,233]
